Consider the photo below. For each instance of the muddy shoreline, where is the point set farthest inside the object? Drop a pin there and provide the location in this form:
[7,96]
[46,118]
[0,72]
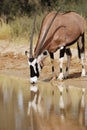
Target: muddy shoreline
[13,62]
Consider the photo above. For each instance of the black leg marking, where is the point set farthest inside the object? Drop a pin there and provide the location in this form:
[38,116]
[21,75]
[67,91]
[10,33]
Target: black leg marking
[62,51]
[81,51]
[61,70]
[80,45]
[52,68]
[52,61]
[67,68]
[68,52]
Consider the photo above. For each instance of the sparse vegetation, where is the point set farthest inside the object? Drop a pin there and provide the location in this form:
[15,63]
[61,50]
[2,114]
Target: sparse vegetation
[16,20]
[5,31]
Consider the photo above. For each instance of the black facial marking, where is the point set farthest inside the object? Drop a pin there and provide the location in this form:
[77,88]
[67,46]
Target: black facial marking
[31,59]
[37,74]
[32,71]
[45,53]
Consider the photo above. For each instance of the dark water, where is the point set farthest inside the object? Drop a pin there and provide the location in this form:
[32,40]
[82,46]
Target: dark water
[44,106]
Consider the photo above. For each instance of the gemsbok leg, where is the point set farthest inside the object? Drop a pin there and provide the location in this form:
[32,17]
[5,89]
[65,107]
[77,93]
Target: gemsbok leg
[69,55]
[81,51]
[52,62]
[61,59]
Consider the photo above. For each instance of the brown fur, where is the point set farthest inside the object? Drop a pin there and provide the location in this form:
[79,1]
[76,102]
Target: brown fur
[64,31]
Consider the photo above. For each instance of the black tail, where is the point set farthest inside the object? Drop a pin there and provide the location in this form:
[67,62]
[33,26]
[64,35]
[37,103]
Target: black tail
[81,45]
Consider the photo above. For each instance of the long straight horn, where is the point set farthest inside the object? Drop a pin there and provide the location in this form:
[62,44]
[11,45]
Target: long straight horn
[43,39]
[31,36]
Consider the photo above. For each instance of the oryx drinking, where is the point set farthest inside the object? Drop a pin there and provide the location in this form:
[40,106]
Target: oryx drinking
[58,31]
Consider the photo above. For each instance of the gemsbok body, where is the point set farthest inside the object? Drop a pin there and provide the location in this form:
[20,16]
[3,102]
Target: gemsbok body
[58,31]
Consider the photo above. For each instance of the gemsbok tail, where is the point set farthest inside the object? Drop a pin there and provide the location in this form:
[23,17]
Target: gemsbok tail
[81,45]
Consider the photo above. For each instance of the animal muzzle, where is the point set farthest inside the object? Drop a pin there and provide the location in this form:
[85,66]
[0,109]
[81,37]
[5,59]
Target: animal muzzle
[35,69]
[33,80]
[34,73]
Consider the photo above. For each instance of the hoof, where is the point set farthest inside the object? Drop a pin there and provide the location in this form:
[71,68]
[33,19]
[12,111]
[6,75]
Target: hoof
[53,78]
[61,76]
[66,75]
[83,74]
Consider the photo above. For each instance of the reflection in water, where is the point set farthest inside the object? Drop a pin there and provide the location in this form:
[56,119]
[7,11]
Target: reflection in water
[12,109]
[50,106]
[35,100]
[82,108]
[86,116]
[61,102]
[54,110]
[64,105]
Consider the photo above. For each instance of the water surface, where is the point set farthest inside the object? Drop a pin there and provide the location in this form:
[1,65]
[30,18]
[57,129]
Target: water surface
[46,105]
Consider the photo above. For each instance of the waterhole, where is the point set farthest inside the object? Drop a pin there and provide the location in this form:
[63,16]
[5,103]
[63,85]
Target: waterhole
[43,106]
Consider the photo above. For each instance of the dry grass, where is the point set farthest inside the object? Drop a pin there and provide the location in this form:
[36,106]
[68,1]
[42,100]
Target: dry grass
[19,30]
[5,32]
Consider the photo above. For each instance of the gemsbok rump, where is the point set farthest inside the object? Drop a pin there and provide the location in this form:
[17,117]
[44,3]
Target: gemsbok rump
[58,31]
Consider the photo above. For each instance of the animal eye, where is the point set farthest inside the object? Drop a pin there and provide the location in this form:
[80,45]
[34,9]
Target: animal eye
[45,53]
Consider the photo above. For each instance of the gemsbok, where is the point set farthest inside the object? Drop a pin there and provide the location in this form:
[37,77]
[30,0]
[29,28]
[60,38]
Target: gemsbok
[58,31]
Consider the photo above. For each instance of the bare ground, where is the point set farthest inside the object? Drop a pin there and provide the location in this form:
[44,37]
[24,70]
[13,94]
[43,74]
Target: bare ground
[13,62]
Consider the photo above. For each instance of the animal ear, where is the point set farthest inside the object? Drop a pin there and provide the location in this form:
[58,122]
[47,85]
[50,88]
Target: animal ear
[27,53]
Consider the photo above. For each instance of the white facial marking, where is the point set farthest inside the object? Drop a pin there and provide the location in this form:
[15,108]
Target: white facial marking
[39,68]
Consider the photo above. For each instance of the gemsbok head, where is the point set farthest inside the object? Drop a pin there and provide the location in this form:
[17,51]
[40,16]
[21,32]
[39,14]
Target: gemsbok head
[58,31]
